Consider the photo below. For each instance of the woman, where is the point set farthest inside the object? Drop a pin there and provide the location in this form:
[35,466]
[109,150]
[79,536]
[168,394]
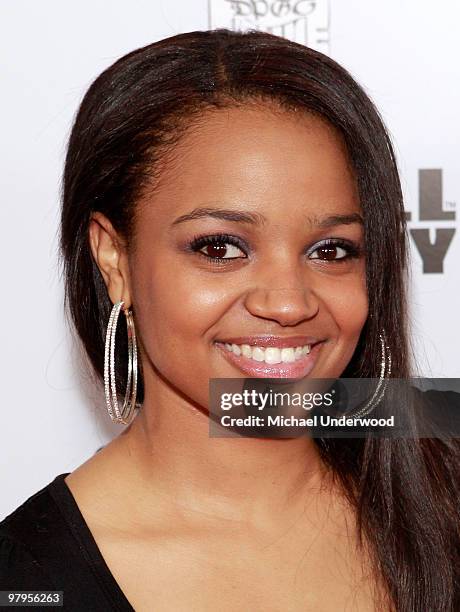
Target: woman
[236,196]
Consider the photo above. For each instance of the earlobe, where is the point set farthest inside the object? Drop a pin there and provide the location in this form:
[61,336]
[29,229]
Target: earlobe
[109,255]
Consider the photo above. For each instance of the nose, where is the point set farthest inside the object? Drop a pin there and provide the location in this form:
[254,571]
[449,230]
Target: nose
[286,306]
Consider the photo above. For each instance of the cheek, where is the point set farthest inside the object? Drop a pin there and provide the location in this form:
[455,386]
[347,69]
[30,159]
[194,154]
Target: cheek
[174,312]
[347,306]
[347,303]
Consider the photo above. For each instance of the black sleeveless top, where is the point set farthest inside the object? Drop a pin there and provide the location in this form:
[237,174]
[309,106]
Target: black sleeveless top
[46,545]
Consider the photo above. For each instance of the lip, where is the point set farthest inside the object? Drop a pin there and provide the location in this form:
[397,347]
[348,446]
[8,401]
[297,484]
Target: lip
[275,341]
[254,369]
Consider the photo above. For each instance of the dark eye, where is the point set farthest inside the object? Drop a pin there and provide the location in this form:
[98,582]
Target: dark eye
[335,251]
[221,251]
[219,247]
[330,252]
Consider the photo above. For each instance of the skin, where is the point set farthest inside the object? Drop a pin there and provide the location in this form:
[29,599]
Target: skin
[243,521]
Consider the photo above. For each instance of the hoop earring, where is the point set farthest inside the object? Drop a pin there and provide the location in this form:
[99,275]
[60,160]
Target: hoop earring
[126,413]
[385,371]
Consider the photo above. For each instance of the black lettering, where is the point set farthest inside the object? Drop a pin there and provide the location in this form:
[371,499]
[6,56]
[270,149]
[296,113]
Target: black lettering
[433,255]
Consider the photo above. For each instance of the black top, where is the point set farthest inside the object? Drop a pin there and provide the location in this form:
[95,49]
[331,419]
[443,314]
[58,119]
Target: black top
[46,545]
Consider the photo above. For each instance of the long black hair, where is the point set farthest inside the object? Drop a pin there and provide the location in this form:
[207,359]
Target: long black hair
[405,492]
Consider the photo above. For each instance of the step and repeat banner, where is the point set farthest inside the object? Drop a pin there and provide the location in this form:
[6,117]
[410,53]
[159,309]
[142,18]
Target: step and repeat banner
[404,53]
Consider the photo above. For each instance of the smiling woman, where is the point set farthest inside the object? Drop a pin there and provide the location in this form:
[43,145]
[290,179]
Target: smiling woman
[268,201]
[236,195]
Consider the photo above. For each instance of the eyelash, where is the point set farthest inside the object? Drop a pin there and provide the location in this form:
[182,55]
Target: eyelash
[353,250]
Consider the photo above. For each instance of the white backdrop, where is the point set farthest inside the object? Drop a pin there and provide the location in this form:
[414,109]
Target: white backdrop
[404,52]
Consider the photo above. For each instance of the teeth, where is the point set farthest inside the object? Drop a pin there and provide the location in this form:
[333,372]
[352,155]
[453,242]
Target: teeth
[258,353]
[287,355]
[246,350]
[270,354]
[236,349]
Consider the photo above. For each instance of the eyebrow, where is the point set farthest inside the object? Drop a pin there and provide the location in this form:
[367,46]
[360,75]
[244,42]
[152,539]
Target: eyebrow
[333,220]
[222,213]
[255,218]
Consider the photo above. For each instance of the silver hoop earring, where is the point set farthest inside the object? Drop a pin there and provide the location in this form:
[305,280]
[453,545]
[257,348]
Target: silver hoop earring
[385,371]
[126,413]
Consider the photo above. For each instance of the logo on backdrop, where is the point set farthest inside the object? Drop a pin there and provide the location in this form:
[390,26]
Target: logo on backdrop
[432,242]
[302,21]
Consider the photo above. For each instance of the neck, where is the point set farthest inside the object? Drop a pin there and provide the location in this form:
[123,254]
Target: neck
[237,478]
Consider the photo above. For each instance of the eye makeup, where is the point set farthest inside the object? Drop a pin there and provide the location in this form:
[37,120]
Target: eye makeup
[216,243]
[223,248]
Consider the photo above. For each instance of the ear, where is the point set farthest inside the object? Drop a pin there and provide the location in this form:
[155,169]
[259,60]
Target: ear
[109,252]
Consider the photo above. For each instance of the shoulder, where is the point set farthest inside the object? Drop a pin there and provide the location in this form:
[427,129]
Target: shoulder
[20,569]
[25,537]
[37,518]
[45,545]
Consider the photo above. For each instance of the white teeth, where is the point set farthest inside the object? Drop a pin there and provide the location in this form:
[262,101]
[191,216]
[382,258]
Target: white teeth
[236,349]
[246,350]
[258,353]
[270,354]
[287,355]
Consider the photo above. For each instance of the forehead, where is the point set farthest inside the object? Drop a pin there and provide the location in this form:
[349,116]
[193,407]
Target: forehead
[273,162]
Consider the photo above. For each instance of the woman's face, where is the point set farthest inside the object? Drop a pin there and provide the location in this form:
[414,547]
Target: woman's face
[279,187]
